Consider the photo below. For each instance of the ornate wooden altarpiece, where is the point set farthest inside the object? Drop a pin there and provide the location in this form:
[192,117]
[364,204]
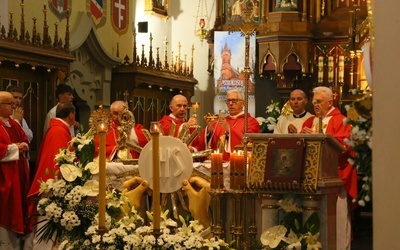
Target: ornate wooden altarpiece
[291,38]
[36,63]
[147,84]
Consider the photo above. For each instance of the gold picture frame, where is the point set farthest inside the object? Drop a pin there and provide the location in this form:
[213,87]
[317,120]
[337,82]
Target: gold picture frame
[157,7]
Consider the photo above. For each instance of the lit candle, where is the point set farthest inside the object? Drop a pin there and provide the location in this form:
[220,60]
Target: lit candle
[330,69]
[101,130]
[320,69]
[341,69]
[239,167]
[217,175]
[155,138]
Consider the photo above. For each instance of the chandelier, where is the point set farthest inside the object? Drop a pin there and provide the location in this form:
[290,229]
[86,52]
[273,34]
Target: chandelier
[200,26]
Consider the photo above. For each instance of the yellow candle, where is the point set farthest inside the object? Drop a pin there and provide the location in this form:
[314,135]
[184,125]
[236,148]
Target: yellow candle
[239,166]
[217,175]
[156,176]
[102,175]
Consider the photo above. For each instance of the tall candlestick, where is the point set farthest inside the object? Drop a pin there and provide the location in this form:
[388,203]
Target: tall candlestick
[155,138]
[102,128]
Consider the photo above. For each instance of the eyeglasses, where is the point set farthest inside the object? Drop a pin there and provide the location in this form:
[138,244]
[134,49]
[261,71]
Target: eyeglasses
[234,101]
[8,103]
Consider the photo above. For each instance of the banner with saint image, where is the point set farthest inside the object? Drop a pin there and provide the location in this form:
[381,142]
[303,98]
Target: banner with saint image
[229,62]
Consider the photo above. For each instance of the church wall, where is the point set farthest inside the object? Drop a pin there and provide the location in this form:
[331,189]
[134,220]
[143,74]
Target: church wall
[109,37]
[386,120]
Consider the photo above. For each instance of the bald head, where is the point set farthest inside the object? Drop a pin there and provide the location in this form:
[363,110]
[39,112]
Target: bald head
[179,106]
[298,101]
[6,104]
[116,108]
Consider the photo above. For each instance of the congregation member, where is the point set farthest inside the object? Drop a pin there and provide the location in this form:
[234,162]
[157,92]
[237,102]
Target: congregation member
[136,136]
[58,136]
[332,123]
[292,123]
[64,95]
[173,123]
[18,113]
[15,209]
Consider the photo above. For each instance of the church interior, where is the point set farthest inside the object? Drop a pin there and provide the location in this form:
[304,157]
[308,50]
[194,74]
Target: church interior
[146,51]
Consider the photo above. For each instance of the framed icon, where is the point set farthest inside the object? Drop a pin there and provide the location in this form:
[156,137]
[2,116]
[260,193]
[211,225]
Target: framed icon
[284,163]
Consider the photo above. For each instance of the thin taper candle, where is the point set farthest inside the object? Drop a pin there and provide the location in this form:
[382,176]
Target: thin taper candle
[102,176]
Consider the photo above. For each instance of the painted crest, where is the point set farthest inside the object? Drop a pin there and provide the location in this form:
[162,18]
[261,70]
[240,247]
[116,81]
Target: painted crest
[120,15]
[96,9]
[60,7]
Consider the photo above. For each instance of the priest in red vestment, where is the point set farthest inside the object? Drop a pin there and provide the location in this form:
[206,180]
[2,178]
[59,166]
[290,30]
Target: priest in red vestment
[211,137]
[233,124]
[15,209]
[332,123]
[177,118]
[136,136]
[58,136]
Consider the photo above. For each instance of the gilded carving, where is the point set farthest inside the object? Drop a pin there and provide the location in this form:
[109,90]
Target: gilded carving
[310,170]
[257,168]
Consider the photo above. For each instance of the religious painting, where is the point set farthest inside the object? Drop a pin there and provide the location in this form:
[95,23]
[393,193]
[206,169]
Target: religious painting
[97,10]
[157,7]
[60,7]
[284,160]
[233,10]
[120,15]
[229,63]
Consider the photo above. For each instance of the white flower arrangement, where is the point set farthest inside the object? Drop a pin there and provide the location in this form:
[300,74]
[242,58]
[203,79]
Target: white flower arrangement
[267,125]
[361,143]
[71,211]
[291,233]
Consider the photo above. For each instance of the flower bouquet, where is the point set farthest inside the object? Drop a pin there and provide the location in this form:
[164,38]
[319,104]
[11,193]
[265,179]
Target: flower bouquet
[361,142]
[291,233]
[267,125]
[69,206]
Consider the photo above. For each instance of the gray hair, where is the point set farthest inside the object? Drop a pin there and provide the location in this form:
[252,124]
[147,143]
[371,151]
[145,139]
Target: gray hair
[323,89]
[240,94]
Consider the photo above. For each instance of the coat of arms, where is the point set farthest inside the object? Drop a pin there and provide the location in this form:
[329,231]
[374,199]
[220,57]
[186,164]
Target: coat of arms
[120,15]
[60,7]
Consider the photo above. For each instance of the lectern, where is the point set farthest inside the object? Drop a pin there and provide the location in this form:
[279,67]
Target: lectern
[300,164]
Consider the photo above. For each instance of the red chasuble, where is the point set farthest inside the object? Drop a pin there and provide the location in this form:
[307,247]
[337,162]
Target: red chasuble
[112,137]
[57,136]
[237,130]
[15,209]
[340,131]
[166,122]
